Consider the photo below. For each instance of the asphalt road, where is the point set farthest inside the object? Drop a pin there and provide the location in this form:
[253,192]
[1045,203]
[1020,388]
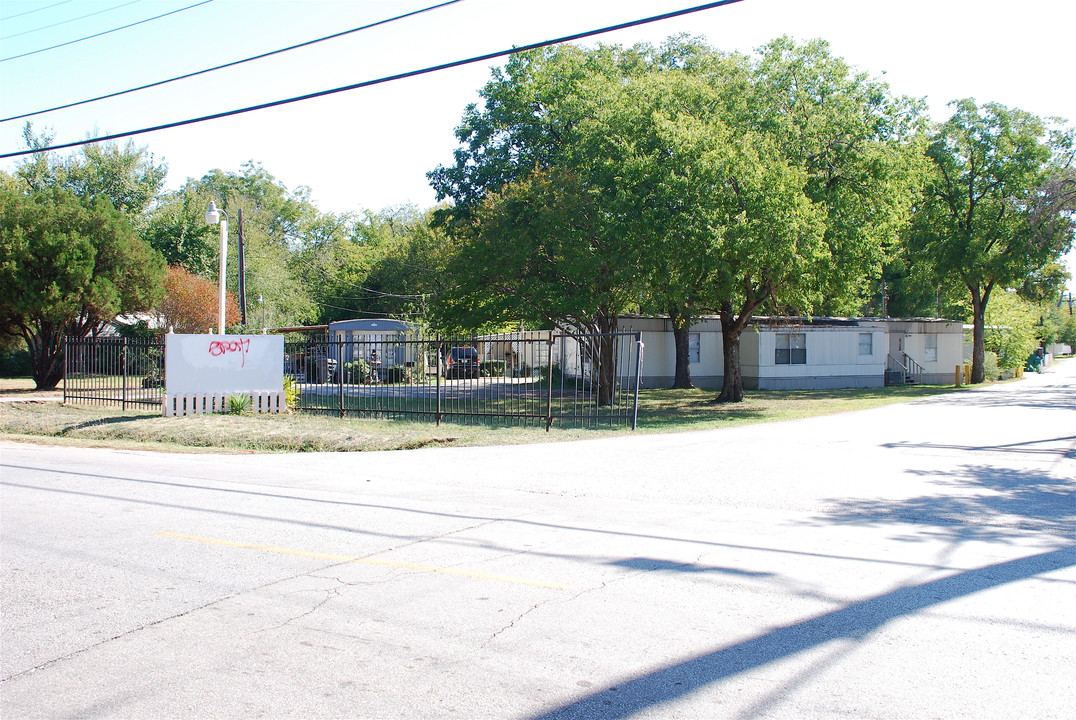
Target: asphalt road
[914,561]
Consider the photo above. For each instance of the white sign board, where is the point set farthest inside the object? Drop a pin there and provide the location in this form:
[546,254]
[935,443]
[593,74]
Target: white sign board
[200,364]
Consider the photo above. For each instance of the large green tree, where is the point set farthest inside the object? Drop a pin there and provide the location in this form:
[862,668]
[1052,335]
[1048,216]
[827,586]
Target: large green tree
[67,264]
[700,180]
[998,207]
[176,228]
[382,264]
[540,236]
[128,175]
[841,148]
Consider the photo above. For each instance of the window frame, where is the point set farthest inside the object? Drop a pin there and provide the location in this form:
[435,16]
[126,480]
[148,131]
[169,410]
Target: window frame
[694,348]
[794,351]
[930,347]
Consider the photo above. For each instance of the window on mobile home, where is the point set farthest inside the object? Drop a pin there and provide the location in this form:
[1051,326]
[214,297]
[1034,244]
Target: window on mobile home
[930,349]
[791,349]
[866,344]
[693,351]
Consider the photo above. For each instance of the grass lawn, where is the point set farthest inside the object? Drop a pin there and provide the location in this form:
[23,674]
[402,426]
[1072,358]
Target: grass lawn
[25,386]
[659,411]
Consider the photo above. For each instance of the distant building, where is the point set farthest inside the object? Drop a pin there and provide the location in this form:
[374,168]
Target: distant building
[807,353]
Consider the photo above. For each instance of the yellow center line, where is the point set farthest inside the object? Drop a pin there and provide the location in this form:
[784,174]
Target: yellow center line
[367,561]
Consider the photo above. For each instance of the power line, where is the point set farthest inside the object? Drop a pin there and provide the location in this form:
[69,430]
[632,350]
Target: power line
[105,32]
[374,294]
[36,9]
[228,65]
[71,20]
[367,313]
[379,81]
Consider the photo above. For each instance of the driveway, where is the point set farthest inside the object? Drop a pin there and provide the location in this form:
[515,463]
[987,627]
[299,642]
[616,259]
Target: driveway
[913,561]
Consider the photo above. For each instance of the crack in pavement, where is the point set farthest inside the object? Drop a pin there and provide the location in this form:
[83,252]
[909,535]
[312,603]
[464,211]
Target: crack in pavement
[225,598]
[330,593]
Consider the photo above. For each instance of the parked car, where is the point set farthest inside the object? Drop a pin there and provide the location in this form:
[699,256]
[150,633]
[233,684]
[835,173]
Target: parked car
[463,362]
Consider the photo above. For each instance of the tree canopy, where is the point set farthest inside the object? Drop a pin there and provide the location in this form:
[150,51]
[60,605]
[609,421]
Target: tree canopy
[128,175]
[191,303]
[997,208]
[66,265]
[597,181]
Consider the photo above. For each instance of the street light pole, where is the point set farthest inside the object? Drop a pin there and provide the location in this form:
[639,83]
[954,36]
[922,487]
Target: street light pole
[212,217]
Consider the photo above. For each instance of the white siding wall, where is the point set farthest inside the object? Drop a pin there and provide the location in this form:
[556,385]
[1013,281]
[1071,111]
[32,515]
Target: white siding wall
[659,354]
[833,358]
[912,336]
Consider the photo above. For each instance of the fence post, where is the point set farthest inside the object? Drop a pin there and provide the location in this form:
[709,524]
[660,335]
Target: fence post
[67,359]
[437,349]
[549,394]
[639,346]
[339,372]
[123,361]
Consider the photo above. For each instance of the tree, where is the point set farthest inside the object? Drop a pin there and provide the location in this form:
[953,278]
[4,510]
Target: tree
[385,264]
[403,280]
[526,121]
[538,251]
[533,212]
[191,304]
[838,145]
[1013,331]
[176,228]
[998,205]
[127,175]
[699,179]
[274,222]
[67,265]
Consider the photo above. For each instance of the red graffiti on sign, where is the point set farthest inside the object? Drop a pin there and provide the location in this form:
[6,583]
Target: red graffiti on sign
[217,348]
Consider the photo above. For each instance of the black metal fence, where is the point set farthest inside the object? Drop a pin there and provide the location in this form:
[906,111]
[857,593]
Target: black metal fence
[114,371]
[515,379]
[527,378]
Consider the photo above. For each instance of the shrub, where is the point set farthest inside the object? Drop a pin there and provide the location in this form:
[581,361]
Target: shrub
[358,372]
[396,374]
[15,363]
[991,369]
[494,368]
[291,392]
[239,404]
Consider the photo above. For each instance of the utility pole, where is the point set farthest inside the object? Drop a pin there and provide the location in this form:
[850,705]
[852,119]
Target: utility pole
[242,274]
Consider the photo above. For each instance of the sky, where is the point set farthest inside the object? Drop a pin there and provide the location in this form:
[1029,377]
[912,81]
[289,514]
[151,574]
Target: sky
[371,148]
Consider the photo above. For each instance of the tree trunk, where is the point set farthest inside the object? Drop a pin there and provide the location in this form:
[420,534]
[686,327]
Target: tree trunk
[606,369]
[978,336]
[732,382]
[681,324]
[599,348]
[46,356]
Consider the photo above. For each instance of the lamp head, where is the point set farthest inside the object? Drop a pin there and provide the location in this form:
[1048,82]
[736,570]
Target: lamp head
[212,216]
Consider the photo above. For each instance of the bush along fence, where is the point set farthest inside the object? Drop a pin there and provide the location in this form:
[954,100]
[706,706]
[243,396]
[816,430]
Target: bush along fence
[514,379]
[114,371]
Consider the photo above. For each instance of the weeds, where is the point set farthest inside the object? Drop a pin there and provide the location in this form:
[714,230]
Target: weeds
[239,405]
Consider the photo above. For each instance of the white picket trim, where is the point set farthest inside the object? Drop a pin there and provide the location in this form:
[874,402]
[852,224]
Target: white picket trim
[199,404]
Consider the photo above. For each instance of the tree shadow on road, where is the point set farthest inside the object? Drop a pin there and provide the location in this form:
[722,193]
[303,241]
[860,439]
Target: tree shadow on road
[976,503]
[852,622]
[990,504]
[658,565]
[1016,395]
